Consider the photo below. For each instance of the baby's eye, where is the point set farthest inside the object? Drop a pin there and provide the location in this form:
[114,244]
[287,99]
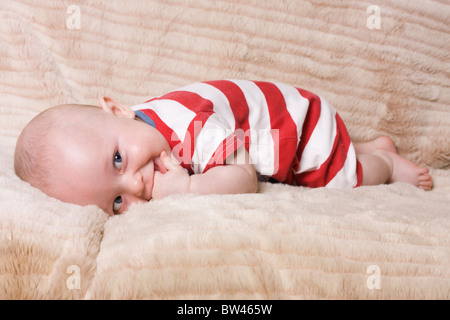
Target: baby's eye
[117,160]
[117,204]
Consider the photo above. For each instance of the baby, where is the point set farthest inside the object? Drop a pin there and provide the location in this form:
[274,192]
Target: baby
[207,138]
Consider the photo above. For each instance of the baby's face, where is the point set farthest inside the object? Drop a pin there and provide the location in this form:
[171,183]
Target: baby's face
[109,161]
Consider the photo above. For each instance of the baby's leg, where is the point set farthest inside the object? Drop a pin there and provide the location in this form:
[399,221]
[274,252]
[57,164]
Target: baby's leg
[382,164]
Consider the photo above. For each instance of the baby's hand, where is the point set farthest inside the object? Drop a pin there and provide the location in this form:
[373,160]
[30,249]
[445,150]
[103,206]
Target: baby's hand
[174,181]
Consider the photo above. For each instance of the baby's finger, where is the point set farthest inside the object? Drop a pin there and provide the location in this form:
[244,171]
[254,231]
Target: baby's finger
[168,162]
[159,165]
[174,159]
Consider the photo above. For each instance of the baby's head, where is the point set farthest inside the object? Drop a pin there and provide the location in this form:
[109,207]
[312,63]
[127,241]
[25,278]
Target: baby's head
[89,155]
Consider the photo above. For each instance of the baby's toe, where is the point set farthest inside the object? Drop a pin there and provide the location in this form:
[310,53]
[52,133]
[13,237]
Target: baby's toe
[426,183]
[423,171]
[424,178]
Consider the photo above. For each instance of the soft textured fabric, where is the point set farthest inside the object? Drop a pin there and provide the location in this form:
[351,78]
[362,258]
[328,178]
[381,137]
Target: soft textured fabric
[292,135]
[383,242]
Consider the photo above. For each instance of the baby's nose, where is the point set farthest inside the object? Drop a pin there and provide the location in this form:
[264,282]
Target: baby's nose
[135,184]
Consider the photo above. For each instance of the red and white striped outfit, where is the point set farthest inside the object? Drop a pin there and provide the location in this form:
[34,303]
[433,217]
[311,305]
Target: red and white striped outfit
[292,135]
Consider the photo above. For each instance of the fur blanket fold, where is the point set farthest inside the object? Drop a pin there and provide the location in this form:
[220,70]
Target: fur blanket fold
[384,67]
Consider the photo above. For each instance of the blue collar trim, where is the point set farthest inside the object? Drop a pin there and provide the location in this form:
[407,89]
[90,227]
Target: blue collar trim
[141,115]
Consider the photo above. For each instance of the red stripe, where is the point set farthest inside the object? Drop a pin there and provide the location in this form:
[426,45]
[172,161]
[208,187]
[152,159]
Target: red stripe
[359,174]
[285,138]
[190,100]
[311,120]
[335,162]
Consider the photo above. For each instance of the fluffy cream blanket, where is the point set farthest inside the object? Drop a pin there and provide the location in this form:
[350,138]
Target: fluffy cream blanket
[385,68]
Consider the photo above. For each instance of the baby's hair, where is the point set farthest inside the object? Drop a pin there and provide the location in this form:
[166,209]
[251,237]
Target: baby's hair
[35,150]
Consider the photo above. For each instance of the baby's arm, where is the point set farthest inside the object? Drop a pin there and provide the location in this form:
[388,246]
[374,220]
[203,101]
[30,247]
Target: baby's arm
[227,179]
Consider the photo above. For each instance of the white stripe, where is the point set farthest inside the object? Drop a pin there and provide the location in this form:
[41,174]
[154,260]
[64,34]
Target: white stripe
[321,142]
[172,113]
[262,145]
[296,105]
[347,176]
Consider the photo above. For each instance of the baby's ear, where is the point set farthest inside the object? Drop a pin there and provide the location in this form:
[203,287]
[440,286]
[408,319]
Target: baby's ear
[113,107]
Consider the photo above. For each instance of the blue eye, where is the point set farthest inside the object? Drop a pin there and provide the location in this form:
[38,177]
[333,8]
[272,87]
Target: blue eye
[117,204]
[117,160]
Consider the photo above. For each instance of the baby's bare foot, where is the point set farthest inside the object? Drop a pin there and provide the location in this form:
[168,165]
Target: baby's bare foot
[407,171]
[393,167]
